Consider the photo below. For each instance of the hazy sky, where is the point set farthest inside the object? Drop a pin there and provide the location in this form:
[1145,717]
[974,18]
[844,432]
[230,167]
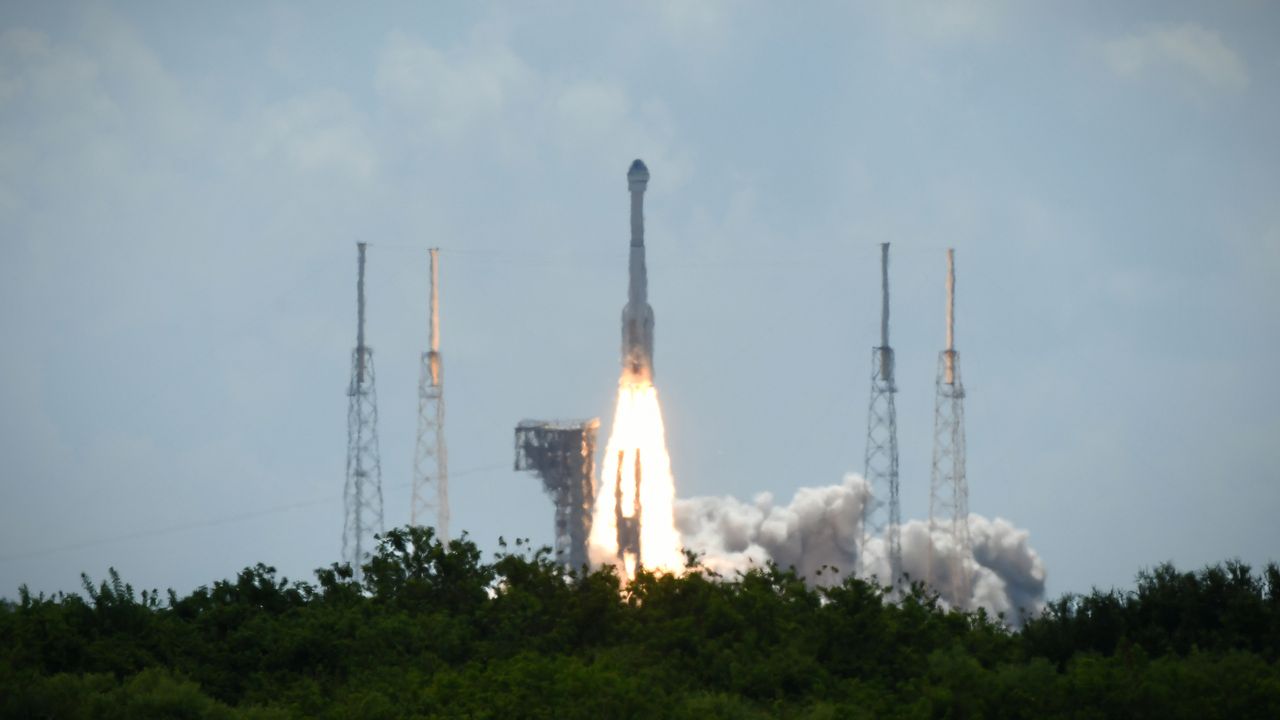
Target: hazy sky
[182,186]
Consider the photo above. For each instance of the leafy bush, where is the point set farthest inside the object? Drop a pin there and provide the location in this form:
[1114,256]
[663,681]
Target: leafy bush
[431,630]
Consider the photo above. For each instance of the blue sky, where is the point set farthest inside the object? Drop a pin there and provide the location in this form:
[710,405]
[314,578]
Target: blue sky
[182,186]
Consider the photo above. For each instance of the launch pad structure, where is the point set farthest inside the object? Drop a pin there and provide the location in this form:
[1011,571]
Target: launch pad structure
[563,454]
[949,488]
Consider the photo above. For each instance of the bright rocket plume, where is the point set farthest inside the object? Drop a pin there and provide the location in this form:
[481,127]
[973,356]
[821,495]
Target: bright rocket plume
[634,519]
[633,523]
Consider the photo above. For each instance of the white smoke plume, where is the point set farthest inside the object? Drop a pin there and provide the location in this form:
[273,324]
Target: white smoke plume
[822,527]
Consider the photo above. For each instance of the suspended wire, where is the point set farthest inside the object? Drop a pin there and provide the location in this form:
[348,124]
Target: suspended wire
[215,522]
[768,256]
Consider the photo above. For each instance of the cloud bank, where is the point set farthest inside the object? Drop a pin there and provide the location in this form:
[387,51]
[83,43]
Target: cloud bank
[1187,49]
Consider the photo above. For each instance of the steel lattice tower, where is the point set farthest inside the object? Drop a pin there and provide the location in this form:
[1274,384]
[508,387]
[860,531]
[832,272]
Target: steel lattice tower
[881,515]
[363,492]
[430,459]
[949,489]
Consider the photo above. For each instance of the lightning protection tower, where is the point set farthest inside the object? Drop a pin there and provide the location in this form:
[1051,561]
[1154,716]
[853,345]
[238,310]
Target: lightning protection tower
[430,459]
[563,455]
[881,515]
[363,492]
[949,489]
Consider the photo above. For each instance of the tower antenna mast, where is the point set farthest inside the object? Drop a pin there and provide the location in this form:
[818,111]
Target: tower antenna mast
[948,570]
[431,459]
[882,514]
[362,494]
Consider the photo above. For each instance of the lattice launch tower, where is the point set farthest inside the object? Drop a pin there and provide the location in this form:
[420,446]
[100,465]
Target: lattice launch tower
[430,502]
[362,494]
[882,515]
[950,547]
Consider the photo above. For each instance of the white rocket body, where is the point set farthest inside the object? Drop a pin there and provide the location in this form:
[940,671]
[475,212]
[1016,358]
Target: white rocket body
[637,316]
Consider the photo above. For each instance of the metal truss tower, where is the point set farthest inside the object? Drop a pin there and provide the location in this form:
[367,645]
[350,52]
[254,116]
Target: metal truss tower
[949,489]
[363,492]
[563,455]
[431,459]
[882,515]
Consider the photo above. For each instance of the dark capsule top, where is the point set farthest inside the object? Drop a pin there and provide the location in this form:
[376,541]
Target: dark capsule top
[638,172]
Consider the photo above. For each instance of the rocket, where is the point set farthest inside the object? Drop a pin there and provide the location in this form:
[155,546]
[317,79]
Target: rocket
[637,316]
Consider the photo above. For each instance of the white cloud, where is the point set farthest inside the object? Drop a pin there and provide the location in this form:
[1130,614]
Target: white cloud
[1187,49]
[484,96]
[451,91]
[949,19]
[585,104]
[318,132]
[697,23]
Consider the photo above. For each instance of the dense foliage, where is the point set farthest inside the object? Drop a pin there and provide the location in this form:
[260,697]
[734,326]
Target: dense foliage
[434,631]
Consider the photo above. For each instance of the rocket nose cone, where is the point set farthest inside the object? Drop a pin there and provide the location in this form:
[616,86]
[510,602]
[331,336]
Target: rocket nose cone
[638,172]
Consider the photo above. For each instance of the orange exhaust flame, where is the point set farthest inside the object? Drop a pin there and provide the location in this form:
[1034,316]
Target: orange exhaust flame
[636,467]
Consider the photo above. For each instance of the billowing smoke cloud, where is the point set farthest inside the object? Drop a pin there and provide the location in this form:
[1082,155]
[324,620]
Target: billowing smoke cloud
[820,534]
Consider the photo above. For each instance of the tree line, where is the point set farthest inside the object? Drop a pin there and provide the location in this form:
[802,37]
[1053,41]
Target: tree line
[432,630]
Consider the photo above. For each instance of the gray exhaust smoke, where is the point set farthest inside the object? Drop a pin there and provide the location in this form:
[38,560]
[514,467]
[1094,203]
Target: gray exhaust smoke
[821,528]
